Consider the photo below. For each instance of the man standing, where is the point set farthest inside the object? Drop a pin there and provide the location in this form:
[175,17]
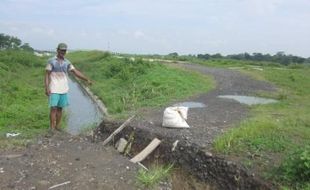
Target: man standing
[56,84]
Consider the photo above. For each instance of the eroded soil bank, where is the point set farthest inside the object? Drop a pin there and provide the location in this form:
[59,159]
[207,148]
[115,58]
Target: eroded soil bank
[214,170]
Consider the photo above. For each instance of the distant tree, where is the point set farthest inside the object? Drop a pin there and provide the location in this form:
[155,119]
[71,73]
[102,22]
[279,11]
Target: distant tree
[26,47]
[191,55]
[267,57]
[281,58]
[280,54]
[247,56]
[217,56]
[11,42]
[240,56]
[203,56]
[173,55]
[4,41]
[296,59]
[258,57]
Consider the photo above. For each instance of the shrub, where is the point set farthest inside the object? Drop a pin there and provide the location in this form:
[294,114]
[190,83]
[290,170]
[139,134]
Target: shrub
[297,166]
[13,57]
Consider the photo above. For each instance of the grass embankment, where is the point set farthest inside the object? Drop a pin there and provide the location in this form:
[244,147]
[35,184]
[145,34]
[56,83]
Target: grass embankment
[125,85]
[23,104]
[275,140]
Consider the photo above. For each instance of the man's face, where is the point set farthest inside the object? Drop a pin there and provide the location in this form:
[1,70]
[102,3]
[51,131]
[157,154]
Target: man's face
[61,52]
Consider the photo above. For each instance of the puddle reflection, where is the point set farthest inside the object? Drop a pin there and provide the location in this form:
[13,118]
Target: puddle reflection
[249,100]
[191,104]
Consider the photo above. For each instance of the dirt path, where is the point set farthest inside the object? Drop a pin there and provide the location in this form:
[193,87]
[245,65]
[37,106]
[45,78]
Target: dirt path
[218,115]
[83,165]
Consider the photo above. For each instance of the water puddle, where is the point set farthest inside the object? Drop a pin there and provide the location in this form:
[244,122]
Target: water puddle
[249,100]
[191,104]
[82,111]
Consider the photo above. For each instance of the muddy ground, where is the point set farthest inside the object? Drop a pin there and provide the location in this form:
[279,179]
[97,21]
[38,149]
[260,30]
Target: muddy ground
[77,163]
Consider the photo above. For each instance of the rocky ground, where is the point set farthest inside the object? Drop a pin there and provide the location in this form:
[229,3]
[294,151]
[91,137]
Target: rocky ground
[74,162]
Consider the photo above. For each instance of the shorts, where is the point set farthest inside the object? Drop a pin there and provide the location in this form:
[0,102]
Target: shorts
[58,100]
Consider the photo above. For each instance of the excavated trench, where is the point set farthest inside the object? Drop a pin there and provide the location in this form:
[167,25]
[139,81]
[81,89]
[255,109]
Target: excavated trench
[212,171]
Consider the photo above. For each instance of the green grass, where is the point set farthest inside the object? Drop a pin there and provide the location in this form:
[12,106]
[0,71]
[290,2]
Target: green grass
[125,85]
[23,104]
[276,129]
[150,178]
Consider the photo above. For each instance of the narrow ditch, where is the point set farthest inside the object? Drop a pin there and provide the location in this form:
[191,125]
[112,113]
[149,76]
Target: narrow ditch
[83,112]
[212,171]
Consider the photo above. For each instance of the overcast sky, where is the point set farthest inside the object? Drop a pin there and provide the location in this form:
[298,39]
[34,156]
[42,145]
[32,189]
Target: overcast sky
[162,26]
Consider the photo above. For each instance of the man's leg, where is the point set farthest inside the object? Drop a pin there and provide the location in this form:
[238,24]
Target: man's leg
[53,118]
[63,102]
[58,118]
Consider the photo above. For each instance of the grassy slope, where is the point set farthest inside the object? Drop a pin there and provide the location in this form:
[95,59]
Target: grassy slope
[23,105]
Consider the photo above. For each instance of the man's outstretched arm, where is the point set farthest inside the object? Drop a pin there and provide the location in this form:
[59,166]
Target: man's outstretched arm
[80,75]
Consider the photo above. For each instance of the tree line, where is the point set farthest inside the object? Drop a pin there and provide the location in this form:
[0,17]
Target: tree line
[11,42]
[279,57]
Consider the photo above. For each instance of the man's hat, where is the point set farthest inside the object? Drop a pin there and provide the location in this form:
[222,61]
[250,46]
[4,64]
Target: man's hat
[62,46]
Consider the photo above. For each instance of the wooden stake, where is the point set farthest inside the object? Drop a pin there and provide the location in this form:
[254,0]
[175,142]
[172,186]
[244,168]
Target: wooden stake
[119,129]
[61,184]
[146,151]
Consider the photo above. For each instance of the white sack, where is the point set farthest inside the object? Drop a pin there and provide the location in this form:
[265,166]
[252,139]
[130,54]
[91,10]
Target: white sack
[175,117]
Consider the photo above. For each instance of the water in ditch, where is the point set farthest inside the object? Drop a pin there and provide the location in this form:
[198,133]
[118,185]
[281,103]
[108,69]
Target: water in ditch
[82,113]
[249,100]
